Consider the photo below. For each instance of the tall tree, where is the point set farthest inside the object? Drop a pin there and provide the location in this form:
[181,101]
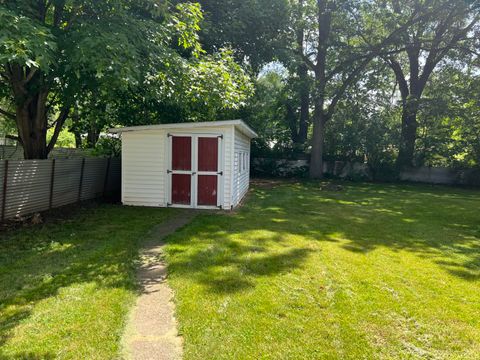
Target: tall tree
[336,52]
[53,50]
[419,51]
[259,32]
[57,54]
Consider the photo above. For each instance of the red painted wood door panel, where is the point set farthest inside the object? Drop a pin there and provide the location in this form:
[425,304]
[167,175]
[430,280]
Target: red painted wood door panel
[181,170]
[181,189]
[207,154]
[181,153]
[207,188]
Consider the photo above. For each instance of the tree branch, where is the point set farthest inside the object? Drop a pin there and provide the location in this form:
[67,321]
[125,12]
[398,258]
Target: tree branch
[307,61]
[435,56]
[459,36]
[58,127]
[343,65]
[14,137]
[375,51]
[7,114]
[400,76]
[30,75]
[345,84]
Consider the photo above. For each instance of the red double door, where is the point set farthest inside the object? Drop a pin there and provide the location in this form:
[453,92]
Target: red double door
[194,170]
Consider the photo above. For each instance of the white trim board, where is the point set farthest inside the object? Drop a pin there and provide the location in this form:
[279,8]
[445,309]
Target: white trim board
[239,124]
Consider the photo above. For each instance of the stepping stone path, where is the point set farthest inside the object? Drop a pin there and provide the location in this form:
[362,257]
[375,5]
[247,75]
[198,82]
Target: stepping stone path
[151,332]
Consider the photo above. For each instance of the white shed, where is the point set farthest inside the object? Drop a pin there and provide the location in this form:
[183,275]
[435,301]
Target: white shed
[195,165]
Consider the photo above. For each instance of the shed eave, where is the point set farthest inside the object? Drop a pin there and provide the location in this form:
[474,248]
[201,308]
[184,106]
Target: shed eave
[239,124]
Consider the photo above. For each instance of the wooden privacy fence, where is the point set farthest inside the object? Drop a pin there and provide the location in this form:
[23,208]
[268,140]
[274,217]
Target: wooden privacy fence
[29,186]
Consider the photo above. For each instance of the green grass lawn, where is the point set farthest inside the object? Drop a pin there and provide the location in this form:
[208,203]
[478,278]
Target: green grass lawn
[65,288]
[372,271]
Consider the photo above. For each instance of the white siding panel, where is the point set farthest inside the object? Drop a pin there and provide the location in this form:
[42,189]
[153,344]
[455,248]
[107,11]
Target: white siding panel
[241,166]
[143,168]
[228,136]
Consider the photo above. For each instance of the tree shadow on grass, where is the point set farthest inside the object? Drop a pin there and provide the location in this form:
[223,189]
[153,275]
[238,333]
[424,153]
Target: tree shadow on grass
[437,223]
[434,222]
[98,246]
[226,265]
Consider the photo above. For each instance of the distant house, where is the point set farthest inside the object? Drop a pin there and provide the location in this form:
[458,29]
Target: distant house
[193,165]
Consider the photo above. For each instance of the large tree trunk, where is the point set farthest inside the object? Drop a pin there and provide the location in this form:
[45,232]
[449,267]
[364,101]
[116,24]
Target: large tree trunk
[32,126]
[409,134]
[31,94]
[316,159]
[407,141]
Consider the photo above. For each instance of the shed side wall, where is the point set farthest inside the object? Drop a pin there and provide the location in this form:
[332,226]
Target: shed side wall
[241,177]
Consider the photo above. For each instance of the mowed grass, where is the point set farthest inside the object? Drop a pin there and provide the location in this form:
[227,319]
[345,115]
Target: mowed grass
[370,271]
[66,287]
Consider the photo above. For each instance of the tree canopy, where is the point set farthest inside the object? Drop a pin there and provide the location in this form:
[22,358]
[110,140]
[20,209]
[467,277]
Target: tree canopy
[391,83]
[65,56]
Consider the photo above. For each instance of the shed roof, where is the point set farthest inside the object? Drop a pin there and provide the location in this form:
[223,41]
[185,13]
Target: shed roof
[239,124]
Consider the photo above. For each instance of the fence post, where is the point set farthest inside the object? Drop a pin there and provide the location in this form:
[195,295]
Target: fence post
[81,180]
[4,195]
[105,183]
[52,180]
